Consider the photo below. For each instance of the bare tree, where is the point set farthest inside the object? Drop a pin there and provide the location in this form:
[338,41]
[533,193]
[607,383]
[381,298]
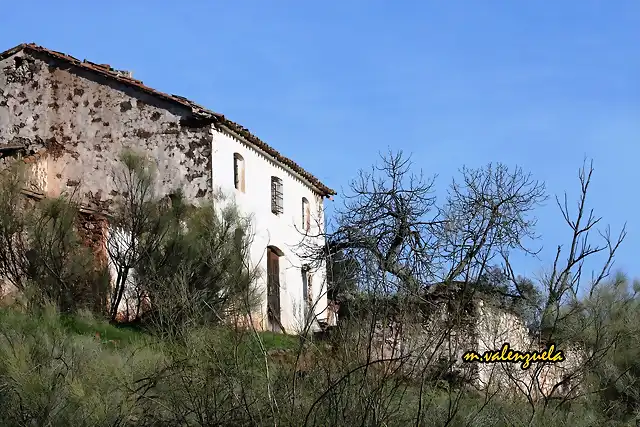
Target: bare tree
[408,247]
[388,219]
[392,219]
[488,213]
[562,311]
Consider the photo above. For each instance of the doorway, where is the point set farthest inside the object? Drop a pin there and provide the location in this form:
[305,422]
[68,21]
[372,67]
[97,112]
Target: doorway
[273,289]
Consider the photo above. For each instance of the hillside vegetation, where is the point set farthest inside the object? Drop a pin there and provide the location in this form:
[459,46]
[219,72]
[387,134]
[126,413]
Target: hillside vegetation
[186,360]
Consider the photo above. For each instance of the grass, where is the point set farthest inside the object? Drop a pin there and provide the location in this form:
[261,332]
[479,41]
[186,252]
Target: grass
[108,332]
[88,325]
[54,372]
[271,341]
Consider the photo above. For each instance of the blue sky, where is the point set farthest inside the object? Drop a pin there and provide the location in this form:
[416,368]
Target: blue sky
[330,84]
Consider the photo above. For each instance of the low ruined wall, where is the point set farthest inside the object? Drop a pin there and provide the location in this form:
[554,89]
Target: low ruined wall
[434,346]
[497,327]
[428,347]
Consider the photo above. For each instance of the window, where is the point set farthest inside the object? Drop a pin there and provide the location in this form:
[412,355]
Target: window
[276,195]
[306,215]
[238,172]
[307,290]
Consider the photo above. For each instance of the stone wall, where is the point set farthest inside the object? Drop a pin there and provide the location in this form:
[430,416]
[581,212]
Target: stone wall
[437,346]
[74,124]
[494,328]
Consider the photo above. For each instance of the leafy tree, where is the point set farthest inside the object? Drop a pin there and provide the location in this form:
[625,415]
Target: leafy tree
[13,226]
[41,251]
[199,272]
[137,223]
[61,269]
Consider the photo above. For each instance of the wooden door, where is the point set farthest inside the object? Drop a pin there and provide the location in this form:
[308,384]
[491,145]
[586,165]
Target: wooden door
[273,289]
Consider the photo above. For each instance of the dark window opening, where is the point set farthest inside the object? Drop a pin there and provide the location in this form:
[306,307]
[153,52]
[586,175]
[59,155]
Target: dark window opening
[276,195]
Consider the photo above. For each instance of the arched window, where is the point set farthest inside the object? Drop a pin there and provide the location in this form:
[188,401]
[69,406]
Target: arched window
[276,195]
[306,215]
[238,172]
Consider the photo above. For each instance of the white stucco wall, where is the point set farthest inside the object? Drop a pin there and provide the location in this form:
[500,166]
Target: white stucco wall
[282,231]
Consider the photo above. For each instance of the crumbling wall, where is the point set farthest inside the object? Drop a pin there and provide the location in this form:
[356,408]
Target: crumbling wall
[83,121]
[69,126]
[495,327]
[33,166]
[438,346]
[428,346]
[92,228]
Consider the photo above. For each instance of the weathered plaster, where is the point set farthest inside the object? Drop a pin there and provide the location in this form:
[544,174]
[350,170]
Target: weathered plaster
[80,122]
[485,328]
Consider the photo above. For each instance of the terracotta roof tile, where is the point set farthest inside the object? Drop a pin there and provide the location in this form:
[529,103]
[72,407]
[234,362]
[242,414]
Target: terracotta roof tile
[197,110]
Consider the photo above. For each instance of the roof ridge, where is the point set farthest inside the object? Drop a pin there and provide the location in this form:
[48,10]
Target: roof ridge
[196,109]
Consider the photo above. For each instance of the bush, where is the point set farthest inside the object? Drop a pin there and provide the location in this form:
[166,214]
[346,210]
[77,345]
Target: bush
[198,274]
[41,251]
[55,371]
[51,377]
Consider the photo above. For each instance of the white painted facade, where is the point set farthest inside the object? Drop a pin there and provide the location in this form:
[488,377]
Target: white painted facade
[284,231]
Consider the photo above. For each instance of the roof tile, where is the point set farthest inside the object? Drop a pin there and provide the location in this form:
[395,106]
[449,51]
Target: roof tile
[197,110]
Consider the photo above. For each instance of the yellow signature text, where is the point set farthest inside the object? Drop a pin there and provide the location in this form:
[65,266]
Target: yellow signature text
[550,355]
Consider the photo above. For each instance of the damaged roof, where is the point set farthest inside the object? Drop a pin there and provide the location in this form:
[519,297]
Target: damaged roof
[197,110]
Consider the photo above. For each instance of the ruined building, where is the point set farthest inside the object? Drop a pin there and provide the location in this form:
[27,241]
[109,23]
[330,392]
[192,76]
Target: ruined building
[70,120]
[437,344]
